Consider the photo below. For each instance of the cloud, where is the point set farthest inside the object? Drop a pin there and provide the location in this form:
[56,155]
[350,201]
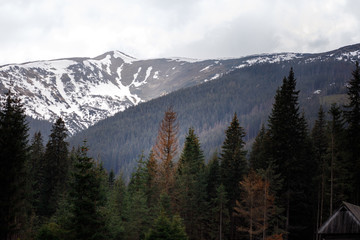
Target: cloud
[41,29]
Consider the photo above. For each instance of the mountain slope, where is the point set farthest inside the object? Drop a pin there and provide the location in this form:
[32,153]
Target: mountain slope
[248,89]
[83,90]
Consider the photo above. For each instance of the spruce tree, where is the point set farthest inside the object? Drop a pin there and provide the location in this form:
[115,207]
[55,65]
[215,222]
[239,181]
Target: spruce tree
[35,166]
[340,181]
[85,198]
[320,148]
[259,155]
[352,117]
[233,165]
[13,155]
[55,169]
[190,186]
[290,151]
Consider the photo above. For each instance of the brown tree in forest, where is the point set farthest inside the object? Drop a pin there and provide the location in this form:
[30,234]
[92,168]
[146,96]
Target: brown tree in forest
[255,205]
[165,149]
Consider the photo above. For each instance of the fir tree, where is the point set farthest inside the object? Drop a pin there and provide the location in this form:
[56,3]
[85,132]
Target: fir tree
[13,155]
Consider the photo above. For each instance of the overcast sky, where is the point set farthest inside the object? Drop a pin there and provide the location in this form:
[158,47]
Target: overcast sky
[49,29]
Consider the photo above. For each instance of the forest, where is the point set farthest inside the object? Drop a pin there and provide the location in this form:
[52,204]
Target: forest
[285,187]
[209,108]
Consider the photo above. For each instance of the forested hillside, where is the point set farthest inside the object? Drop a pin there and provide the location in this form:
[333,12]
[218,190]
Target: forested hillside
[208,108]
[284,187]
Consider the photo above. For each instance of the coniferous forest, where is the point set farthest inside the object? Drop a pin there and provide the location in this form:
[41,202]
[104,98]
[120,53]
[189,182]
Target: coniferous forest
[285,187]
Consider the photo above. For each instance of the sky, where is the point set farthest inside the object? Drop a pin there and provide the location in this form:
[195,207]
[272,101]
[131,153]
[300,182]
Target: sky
[202,29]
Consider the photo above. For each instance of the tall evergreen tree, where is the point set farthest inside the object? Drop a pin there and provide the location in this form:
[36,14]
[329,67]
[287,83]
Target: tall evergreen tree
[352,117]
[55,169]
[340,182]
[259,155]
[233,165]
[85,197]
[190,186]
[320,146]
[13,155]
[35,165]
[290,151]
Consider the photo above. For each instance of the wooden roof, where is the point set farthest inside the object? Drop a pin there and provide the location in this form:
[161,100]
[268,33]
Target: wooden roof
[346,220]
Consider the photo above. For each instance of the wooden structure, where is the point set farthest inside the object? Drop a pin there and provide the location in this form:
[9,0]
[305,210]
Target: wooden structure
[344,224]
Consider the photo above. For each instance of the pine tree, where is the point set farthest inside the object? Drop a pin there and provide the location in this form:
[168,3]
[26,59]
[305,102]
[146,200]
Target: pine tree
[85,197]
[165,149]
[233,165]
[55,169]
[352,117]
[13,155]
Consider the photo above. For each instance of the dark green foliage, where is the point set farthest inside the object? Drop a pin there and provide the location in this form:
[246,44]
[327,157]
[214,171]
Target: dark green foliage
[320,147]
[190,187]
[352,117]
[137,217]
[50,231]
[233,165]
[115,209]
[35,167]
[13,155]
[166,229]
[340,184]
[290,151]
[86,199]
[259,157]
[55,169]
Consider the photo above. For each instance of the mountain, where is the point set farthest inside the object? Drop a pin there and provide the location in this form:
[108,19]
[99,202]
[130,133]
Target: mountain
[85,90]
[247,89]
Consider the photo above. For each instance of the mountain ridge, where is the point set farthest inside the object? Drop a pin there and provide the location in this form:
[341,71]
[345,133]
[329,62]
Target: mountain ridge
[86,90]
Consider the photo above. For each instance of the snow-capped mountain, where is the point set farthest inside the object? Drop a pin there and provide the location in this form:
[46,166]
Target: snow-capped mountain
[85,90]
